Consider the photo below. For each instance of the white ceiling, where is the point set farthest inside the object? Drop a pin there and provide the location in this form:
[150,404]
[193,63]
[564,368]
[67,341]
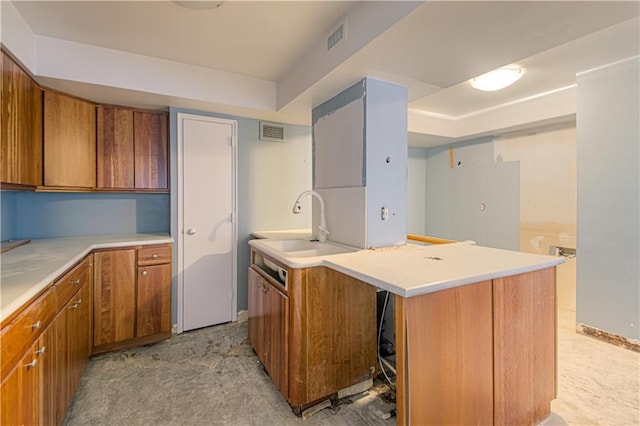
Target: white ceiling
[433,50]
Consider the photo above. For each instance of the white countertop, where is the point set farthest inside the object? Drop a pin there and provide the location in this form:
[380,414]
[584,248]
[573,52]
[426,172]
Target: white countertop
[28,269]
[412,269]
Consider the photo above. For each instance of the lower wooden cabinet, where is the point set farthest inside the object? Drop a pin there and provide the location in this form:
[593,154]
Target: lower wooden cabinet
[482,353]
[21,390]
[114,307]
[313,334]
[132,303]
[79,332]
[115,298]
[268,328]
[42,383]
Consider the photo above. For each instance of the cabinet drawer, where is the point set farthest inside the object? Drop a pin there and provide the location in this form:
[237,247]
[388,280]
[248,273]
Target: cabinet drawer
[68,285]
[20,333]
[154,255]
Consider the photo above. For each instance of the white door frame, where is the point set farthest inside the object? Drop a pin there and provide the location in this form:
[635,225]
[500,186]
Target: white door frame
[234,145]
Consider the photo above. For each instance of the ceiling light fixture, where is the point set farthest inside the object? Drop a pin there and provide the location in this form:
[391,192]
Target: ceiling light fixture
[497,79]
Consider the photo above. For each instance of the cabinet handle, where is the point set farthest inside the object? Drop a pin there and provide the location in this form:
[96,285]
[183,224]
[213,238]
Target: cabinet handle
[41,351]
[144,273]
[154,256]
[77,281]
[32,364]
[76,304]
[36,326]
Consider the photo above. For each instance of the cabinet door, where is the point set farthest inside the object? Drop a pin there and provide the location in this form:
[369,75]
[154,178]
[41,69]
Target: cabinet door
[276,328]
[60,365]
[256,314]
[150,139]
[114,148]
[114,296]
[268,328]
[153,300]
[21,137]
[46,356]
[69,141]
[78,335]
[20,393]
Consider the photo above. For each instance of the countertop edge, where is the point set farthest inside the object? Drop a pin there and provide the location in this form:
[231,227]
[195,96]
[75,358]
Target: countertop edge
[425,288]
[38,287]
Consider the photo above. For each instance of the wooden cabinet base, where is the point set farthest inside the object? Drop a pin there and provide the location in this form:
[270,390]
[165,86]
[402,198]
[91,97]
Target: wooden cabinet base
[483,353]
[314,334]
[147,340]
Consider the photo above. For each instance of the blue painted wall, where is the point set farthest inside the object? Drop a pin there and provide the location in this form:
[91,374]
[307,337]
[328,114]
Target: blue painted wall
[8,215]
[608,237]
[50,215]
[416,192]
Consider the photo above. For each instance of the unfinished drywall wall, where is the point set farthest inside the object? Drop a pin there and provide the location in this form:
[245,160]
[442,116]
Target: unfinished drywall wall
[470,196]
[547,160]
[365,124]
[608,289]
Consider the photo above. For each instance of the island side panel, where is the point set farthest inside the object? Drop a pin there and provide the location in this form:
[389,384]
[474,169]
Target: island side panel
[450,356]
[524,346]
[298,358]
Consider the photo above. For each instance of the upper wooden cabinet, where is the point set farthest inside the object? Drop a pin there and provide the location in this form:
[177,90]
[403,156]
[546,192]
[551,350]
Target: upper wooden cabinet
[132,149]
[150,138]
[115,148]
[21,137]
[69,141]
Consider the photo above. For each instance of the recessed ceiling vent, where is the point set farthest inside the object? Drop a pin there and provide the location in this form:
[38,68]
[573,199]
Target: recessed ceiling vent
[337,35]
[271,132]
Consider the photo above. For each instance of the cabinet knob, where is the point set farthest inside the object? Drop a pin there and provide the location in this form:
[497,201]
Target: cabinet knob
[41,351]
[32,364]
[144,273]
[191,231]
[36,326]
[154,256]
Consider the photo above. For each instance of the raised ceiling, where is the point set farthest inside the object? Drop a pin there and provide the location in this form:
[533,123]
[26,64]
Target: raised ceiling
[433,50]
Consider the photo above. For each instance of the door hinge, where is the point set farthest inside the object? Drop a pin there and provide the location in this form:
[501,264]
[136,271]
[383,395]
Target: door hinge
[231,217]
[231,140]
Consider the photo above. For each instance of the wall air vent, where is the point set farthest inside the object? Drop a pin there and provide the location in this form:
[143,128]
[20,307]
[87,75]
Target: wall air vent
[271,132]
[338,34]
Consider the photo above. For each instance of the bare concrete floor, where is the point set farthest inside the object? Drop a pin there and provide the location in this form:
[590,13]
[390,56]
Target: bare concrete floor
[212,377]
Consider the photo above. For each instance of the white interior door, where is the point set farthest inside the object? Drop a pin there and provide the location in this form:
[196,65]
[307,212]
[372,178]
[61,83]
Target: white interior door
[206,210]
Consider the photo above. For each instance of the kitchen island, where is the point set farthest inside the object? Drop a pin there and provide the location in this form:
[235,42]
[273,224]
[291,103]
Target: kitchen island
[474,327]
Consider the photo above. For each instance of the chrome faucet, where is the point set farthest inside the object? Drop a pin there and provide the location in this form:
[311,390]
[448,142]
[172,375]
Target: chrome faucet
[322,235]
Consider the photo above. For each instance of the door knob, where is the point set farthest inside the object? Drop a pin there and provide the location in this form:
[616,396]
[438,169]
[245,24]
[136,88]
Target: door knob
[191,231]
